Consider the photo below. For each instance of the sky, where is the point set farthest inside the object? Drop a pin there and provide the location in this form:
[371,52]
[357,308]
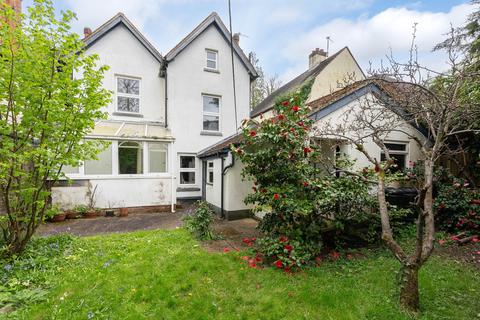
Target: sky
[283,32]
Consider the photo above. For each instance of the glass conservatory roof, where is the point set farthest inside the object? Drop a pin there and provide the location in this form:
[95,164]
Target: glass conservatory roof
[122,129]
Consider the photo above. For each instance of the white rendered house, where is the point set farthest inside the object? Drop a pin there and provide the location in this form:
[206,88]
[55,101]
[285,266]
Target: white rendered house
[164,110]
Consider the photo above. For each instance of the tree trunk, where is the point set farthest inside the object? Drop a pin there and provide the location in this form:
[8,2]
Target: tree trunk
[409,295]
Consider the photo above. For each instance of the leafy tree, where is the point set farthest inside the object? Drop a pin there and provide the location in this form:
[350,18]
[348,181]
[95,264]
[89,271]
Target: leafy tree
[50,96]
[264,85]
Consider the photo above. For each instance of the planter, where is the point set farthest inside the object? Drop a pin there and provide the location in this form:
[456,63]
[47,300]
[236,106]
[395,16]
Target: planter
[109,213]
[123,212]
[70,214]
[59,217]
[92,214]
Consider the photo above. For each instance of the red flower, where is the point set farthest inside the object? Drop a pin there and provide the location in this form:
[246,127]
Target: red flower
[475,240]
[283,239]
[254,189]
[285,103]
[253,133]
[441,242]
[305,184]
[454,238]
[475,201]
[226,249]
[278,264]
[295,108]
[281,117]
[307,150]
[335,255]
[245,258]
[442,205]
[276,196]
[287,269]
[300,123]
[288,247]
[246,240]
[253,239]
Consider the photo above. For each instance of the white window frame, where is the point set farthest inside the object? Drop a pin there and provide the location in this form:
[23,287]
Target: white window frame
[194,170]
[215,52]
[128,95]
[210,169]
[400,152]
[147,146]
[141,145]
[215,114]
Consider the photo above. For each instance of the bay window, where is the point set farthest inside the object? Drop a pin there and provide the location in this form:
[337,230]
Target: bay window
[101,165]
[157,157]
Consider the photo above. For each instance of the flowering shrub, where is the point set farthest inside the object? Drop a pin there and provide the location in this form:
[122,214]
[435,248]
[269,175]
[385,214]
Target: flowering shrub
[458,207]
[199,222]
[284,253]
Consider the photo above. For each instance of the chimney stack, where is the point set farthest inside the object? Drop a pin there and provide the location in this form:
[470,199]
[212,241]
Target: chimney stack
[87,31]
[317,56]
[236,38]
[15,4]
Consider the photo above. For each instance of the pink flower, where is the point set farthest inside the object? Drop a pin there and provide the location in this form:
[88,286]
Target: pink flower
[441,242]
[245,258]
[478,252]
[252,263]
[475,240]
[454,238]
[226,249]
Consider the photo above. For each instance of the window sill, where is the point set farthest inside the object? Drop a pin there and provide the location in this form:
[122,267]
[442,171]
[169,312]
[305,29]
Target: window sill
[210,133]
[127,114]
[187,189]
[211,70]
[209,183]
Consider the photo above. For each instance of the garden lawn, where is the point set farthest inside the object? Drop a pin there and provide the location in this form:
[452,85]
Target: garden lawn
[168,275]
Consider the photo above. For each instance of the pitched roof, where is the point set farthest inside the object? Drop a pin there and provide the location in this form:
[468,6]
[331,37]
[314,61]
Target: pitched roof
[220,147]
[212,19]
[269,101]
[120,18]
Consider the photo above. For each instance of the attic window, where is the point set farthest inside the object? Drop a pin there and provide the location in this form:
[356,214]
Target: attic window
[212,57]
[128,95]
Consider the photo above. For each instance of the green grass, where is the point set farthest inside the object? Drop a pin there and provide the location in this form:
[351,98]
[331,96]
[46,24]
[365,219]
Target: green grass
[167,275]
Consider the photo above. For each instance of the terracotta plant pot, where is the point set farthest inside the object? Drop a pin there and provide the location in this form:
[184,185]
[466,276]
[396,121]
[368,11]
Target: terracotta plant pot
[92,214]
[123,212]
[59,217]
[70,214]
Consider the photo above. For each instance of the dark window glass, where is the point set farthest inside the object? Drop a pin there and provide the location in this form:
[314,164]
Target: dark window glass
[187,177]
[211,123]
[187,162]
[396,146]
[399,161]
[130,158]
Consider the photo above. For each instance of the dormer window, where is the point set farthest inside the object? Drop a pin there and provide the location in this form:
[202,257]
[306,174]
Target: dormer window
[212,59]
[128,94]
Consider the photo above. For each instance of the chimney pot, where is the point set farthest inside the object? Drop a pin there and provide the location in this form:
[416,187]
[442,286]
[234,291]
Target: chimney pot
[317,56]
[236,38]
[87,31]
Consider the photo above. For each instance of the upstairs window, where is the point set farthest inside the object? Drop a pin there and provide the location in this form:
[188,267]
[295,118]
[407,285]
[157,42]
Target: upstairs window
[128,95]
[130,157]
[212,57]
[398,152]
[211,113]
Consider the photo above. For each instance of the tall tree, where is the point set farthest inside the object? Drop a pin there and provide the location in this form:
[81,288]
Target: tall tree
[264,85]
[50,96]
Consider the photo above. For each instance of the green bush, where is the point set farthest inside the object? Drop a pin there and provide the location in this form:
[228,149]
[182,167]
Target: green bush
[199,223]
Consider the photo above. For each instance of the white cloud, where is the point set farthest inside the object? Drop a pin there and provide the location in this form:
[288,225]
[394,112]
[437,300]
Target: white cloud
[370,38]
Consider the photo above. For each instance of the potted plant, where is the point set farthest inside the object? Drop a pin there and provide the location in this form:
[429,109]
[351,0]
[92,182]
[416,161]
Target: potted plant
[81,210]
[56,215]
[123,212]
[70,213]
